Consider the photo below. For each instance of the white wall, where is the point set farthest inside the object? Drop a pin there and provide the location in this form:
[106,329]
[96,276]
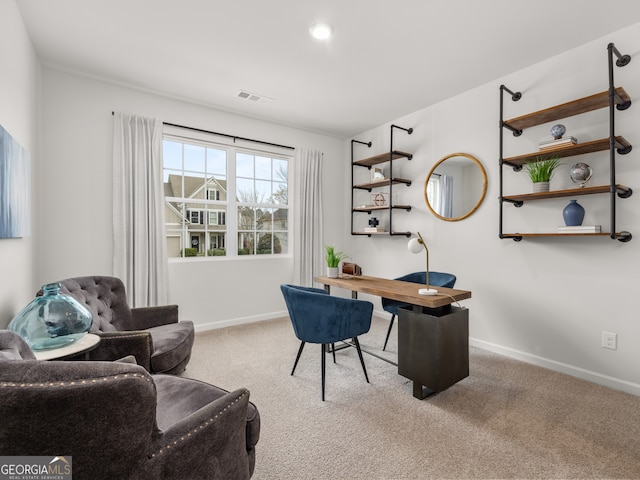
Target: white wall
[75,210]
[18,115]
[546,301]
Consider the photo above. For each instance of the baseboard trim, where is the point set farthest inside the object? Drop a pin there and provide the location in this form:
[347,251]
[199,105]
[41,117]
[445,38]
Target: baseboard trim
[600,379]
[204,327]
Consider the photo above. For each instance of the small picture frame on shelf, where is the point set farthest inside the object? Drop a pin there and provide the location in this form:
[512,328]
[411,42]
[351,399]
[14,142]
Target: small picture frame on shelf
[377,175]
[379,199]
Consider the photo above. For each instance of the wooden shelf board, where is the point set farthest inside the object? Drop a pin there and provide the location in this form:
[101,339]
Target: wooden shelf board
[569,109]
[572,234]
[370,208]
[563,193]
[381,233]
[381,158]
[386,183]
[566,151]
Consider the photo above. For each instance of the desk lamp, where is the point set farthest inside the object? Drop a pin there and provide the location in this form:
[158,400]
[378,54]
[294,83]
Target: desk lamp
[416,245]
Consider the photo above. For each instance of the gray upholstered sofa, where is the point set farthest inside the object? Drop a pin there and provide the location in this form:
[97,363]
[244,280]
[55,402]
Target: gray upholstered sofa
[116,421]
[153,335]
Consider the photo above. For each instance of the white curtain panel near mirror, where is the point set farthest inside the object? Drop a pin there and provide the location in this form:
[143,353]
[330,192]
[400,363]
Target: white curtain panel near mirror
[308,248]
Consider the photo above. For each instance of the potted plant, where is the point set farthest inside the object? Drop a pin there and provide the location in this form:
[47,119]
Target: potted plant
[333,259]
[540,172]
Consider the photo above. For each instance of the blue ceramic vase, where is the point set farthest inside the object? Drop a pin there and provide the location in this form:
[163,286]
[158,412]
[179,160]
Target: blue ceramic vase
[573,214]
[52,320]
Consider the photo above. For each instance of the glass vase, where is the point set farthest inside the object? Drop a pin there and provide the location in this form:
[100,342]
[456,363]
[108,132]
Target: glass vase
[51,321]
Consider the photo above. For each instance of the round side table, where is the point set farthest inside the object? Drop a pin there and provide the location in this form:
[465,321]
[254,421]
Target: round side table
[83,345]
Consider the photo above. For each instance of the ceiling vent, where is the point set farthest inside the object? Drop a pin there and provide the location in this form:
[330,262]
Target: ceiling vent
[254,97]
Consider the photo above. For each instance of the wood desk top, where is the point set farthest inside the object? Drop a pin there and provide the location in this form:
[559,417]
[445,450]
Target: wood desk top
[396,290]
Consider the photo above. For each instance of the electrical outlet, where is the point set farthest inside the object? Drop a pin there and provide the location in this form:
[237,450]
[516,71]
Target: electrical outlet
[610,340]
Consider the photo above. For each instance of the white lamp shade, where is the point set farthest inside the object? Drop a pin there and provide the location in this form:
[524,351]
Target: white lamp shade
[414,245]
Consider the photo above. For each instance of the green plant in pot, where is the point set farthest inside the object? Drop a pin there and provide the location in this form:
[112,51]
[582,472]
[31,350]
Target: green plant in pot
[333,259]
[541,171]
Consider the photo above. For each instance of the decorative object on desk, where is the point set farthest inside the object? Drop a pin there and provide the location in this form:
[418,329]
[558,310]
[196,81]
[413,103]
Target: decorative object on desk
[557,131]
[580,173]
[377,175]
[333,259]
[52,320]
[379,199]
[352,269]
[573,214]
[416,245]
[541,171]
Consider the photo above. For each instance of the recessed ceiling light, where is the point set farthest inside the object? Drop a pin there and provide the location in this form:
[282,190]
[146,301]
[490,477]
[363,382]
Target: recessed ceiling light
[320,31]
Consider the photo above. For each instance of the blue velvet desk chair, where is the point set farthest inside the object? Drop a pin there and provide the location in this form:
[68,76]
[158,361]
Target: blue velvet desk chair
[437,279]
[318,317]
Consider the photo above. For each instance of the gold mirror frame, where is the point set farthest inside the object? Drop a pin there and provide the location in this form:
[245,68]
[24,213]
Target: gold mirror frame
[482,195]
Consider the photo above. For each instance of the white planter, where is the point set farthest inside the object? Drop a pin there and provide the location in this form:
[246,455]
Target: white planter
[541,187]
[332,272]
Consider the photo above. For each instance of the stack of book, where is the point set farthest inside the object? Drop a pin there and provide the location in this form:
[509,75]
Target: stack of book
[560,142]
[580,229]
[374,229]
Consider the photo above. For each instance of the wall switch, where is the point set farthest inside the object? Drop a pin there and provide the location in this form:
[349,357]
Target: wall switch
[610,340]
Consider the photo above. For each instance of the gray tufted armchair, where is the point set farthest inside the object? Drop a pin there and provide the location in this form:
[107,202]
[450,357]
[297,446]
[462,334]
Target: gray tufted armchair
[116,421]
[153,335]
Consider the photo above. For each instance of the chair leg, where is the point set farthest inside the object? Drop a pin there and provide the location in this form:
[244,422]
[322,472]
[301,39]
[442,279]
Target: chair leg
[393,317]
[323,368]
[355,340]
[333,349]
[298,357]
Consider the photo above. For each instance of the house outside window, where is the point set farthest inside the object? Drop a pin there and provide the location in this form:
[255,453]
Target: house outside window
[224,201]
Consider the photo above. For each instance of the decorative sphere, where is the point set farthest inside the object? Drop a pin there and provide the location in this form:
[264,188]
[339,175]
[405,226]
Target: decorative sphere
[580,173]
[558,130]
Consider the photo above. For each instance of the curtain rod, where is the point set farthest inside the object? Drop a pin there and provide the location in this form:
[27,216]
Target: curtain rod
[235,137]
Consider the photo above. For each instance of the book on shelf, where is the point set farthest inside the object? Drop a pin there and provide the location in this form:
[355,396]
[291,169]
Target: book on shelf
[580,229]
[374,229]
[553,143]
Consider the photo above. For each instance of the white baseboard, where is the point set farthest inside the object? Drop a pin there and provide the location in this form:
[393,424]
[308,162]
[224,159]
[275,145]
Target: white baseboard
[204,327]
[600,379]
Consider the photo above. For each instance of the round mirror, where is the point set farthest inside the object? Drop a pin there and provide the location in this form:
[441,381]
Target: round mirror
[455,187]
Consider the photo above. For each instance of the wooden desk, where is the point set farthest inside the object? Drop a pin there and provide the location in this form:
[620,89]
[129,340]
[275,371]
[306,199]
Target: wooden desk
[395,290]
[433,336]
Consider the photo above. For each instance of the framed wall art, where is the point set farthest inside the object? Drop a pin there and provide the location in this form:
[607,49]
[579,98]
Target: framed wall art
[15,188]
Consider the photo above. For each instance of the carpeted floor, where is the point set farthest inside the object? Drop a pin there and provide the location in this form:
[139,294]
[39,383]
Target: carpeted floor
[508,419]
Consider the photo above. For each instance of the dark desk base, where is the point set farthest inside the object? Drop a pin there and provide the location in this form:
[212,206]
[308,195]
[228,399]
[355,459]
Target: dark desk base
[433,348]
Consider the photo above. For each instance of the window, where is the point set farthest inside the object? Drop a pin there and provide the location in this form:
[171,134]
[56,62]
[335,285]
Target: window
[217,217]
[221,200]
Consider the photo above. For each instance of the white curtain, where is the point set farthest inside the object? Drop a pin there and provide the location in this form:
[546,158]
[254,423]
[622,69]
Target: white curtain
[139,245]
[308,249]
[446,191]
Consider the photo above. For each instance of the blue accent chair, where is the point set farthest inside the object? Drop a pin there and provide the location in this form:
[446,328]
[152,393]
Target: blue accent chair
[318,317]
[437,279]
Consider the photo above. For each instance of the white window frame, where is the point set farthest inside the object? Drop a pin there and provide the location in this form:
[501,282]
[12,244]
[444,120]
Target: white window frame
[231,205]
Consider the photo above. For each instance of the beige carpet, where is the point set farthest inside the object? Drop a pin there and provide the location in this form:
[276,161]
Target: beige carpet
[508,419]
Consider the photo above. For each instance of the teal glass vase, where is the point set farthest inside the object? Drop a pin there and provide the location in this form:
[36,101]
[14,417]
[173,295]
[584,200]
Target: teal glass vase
[51,321]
